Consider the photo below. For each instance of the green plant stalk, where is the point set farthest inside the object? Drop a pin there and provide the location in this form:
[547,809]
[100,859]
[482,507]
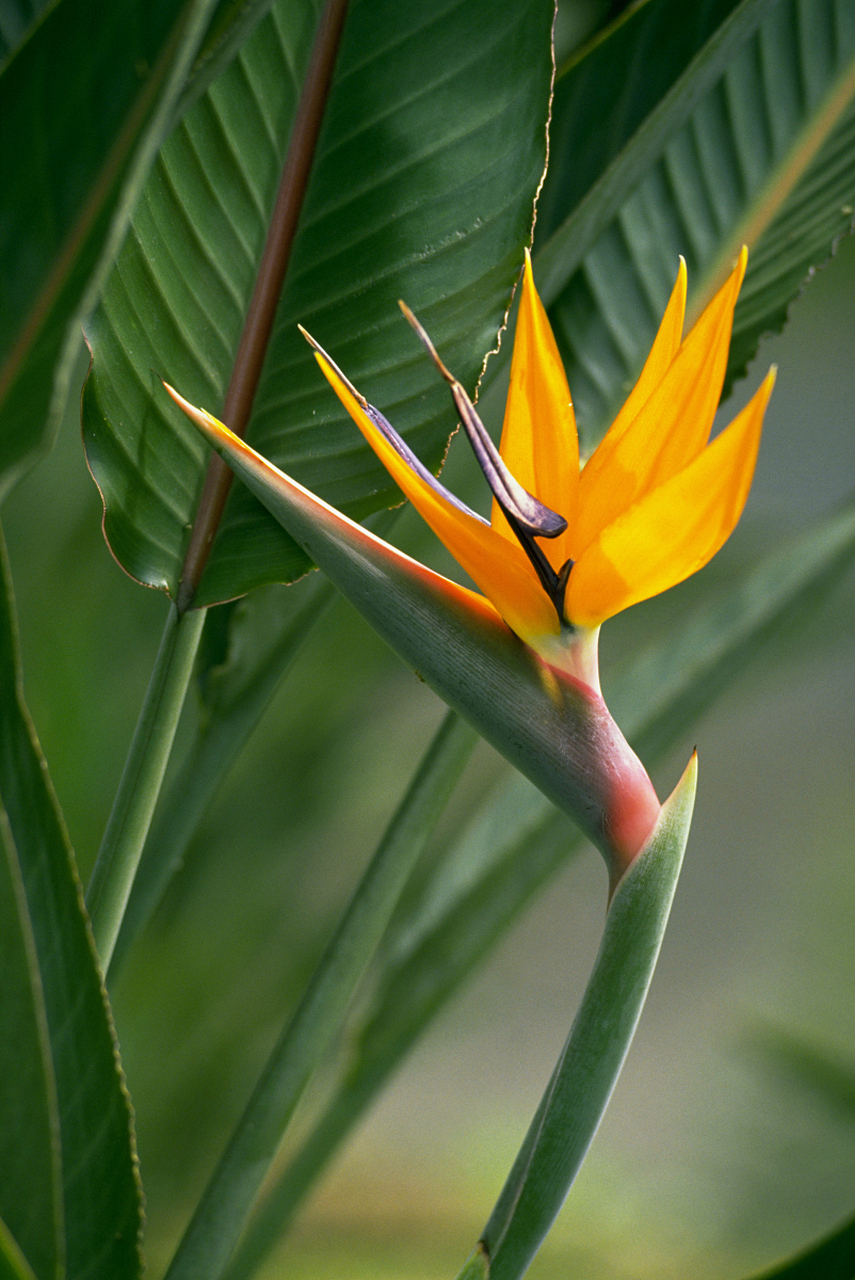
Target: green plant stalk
[618,983]
[552,841]
[220,1216]
[130,819]
[275,1215]
[218,743]
[398,1014]
[590,1062]
[272,269]
[141,780]
[129,822]
[132,811]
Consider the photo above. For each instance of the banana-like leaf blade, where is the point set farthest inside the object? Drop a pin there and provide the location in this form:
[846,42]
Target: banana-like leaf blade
[432,148]
[619,79]
[765,156]
[31,1200]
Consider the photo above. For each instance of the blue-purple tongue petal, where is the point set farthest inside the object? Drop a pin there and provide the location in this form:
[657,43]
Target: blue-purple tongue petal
[397,442]
[527,517]
[518,504]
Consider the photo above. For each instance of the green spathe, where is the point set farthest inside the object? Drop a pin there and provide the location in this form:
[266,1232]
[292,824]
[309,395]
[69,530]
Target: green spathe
[556,730]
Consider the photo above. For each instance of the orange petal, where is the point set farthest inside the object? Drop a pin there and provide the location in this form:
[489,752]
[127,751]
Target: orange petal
[666,344]
[671,427]
[674,529]
[499,568]
[539,441]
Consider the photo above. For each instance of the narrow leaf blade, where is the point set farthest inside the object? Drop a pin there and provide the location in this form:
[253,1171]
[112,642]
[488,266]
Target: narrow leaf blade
[99,1204]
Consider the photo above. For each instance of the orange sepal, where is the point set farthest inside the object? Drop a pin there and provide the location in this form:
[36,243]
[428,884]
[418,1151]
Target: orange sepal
[671,427]
[539,443]
[498,567]
[675,529]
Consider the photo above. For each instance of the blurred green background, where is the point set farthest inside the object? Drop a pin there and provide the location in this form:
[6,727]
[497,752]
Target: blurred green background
[716,1155]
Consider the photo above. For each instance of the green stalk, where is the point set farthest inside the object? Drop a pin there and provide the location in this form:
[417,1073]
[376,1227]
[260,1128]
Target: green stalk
[412,988]
[218,743]
[219,1220]
[275,1215]
[141,780]
[582,1081]
[590,1062]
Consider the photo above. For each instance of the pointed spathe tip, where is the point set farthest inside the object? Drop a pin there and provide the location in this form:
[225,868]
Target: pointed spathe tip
[199,416]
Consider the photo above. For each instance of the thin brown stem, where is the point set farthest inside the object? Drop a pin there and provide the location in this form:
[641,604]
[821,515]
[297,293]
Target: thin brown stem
[268,287]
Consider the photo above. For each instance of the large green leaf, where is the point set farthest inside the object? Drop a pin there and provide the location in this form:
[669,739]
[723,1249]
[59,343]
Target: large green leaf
[765,156]
[84,99]
[69,1193]
[618,79]
[431,150]
[31,1200]
[230,25]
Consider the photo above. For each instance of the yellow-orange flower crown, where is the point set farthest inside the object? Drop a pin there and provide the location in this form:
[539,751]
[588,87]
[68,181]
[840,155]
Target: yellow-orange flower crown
[652,505]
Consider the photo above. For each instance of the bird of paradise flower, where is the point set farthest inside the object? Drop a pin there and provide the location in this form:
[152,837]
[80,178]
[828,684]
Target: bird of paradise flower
[651,506]
[564,549]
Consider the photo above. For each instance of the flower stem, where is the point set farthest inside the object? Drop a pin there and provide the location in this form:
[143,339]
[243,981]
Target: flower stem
[590,1062]
[220,737]
[220,1216]
[141,780]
